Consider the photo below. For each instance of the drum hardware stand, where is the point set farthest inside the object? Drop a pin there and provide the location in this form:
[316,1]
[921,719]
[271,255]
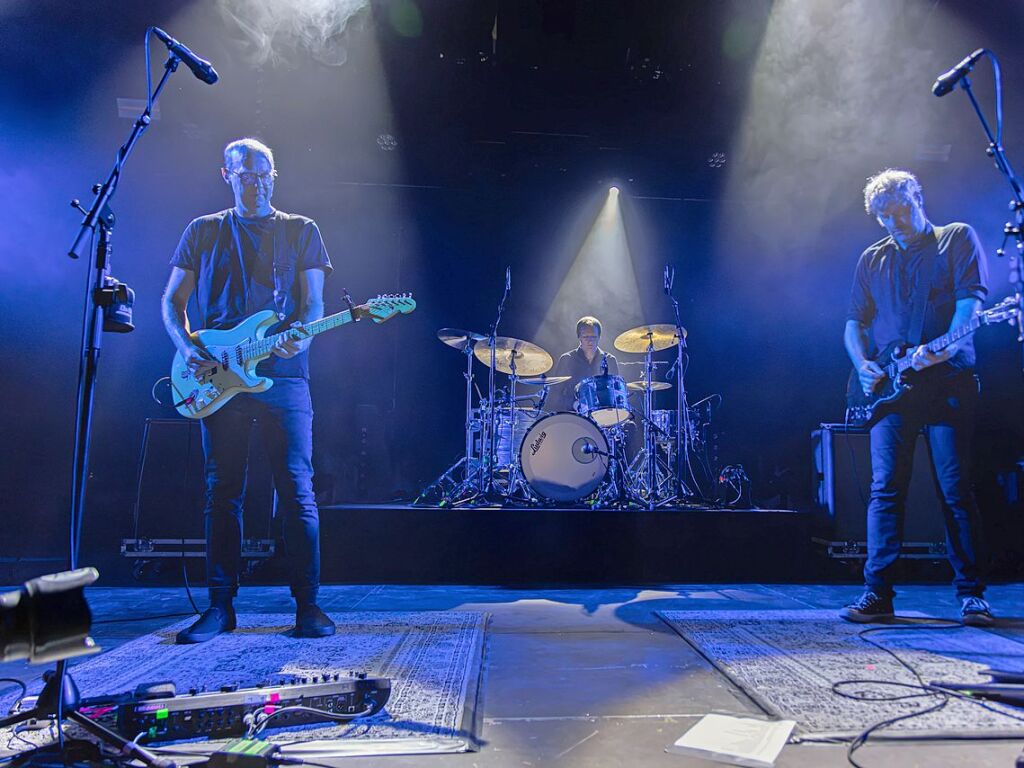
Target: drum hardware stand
[516,481]
[682,457]
[457,494]
[645,467]
[490,462]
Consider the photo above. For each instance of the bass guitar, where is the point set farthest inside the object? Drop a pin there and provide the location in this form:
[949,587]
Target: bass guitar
[864,410]
[237,351]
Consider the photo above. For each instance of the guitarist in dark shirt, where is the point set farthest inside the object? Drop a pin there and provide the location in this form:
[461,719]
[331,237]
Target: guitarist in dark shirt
[248,258]
[887,286]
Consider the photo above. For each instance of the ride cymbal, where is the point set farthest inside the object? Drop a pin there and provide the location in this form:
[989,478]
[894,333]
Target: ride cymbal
[661,336]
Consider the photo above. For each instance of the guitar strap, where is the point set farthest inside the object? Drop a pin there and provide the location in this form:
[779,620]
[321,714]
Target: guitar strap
[926,274]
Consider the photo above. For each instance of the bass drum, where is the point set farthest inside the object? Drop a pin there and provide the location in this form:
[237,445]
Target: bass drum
[556,457]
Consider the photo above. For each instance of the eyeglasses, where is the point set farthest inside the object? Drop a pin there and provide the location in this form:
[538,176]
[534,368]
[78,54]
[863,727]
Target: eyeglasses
[249,178]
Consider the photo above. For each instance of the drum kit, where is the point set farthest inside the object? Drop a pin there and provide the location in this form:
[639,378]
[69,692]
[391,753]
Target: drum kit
[516,452]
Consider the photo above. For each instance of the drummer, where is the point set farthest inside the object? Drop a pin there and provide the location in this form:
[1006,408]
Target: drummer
[588,359]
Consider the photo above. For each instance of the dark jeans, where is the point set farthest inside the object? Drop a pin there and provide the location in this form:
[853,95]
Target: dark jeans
[284,415]
[945,409]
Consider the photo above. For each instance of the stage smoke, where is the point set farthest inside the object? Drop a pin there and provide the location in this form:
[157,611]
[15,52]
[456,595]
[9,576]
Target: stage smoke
[274,29]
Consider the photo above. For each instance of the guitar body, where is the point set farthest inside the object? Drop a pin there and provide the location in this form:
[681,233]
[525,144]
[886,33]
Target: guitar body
[198,399]
[238,350]
[864,410]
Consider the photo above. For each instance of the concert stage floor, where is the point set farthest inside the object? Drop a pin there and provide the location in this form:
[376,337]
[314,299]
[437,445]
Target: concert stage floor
[591,677]
[550,545]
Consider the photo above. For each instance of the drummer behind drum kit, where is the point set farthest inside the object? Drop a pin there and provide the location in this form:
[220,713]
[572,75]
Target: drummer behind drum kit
[518,453]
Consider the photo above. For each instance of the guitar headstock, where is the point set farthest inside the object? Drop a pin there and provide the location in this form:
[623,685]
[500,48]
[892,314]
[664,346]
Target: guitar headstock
[387,306]
[1007,310]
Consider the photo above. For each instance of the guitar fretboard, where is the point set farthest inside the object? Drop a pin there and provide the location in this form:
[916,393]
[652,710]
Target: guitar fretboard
[937,344]
[260,348]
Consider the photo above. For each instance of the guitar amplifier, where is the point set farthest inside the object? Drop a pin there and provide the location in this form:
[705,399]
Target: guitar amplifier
[842,479]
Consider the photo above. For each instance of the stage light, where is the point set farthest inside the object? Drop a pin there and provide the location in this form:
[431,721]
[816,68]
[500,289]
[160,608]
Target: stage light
[600,280]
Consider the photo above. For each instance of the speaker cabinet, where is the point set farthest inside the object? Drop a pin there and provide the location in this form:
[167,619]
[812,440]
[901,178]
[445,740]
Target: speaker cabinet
[842,473]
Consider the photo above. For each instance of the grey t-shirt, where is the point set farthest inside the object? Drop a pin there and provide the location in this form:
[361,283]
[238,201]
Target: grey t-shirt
[245,265]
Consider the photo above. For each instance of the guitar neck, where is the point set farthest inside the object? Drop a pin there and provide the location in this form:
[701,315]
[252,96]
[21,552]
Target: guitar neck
[941,342]
[263,347]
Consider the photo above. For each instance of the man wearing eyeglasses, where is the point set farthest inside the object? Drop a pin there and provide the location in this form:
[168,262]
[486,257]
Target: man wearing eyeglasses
[242,260]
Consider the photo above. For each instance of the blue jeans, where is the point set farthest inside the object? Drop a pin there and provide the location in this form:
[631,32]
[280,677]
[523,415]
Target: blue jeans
[284,414]
[946,412]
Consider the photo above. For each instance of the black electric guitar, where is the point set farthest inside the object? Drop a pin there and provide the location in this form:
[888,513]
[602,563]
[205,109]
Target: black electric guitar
[865,410]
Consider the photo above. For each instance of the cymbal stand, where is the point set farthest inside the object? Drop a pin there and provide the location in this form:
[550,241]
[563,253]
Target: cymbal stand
[683,428]
[516,481]
[648,474]
[491,460]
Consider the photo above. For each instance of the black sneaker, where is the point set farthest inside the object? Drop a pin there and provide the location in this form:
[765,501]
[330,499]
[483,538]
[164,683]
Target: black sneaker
[975,612]
[310,621]
[868,608]
[215,620]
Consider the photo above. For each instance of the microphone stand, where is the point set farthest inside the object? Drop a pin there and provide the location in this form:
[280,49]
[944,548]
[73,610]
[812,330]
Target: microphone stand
[1015,228]
[492,342]
[101,293]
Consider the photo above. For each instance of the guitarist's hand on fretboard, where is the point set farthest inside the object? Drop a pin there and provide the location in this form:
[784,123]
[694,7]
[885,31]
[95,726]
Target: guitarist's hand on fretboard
[870,374]
[924,359]
[290,344]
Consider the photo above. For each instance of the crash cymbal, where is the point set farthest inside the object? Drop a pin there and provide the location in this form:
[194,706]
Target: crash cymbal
[530,359]
[544,381]
[637,339]
[458,338]
[656,386]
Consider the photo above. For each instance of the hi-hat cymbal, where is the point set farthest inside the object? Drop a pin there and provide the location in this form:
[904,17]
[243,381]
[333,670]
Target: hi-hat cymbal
[544,381]
[656,386]
[638,339]
[458,338]
[530,359]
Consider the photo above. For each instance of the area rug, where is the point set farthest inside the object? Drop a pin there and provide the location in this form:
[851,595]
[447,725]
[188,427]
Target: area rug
[787,661]
[433,660]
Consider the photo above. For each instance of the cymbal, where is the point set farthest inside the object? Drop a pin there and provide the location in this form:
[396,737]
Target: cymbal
[458,338]
[530,359]
[656,386]
[544,381]
[637,339]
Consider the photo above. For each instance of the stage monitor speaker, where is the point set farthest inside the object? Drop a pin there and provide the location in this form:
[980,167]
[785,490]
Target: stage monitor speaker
[842,464]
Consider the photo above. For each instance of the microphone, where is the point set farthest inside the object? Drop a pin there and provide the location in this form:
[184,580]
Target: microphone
[201,68]
[947,82]
[508,279]
[604,364]
[588,448]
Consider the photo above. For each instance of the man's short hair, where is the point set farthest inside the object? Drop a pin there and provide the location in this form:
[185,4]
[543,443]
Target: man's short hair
[890,184]
[588,322]
[241,147]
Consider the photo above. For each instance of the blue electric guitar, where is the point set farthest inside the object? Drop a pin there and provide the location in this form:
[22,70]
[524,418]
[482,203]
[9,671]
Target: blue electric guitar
[238,350]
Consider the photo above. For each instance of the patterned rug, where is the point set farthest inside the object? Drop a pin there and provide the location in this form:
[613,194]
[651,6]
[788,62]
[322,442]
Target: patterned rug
[433,660]
[787,661]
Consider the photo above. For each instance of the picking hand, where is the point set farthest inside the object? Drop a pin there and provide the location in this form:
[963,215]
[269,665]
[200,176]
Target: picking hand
[290,344]
[870,373]
[198,361]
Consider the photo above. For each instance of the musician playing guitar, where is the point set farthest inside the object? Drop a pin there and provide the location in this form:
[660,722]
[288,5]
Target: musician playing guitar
[918,282]
[249,258]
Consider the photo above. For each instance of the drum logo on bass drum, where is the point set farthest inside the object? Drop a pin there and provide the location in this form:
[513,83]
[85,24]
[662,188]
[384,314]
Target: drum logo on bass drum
[536,444]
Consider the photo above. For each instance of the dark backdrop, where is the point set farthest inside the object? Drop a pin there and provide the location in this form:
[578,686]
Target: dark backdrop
[507,122]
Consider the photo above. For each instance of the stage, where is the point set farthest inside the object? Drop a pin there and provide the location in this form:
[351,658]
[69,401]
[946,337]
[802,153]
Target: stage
[588,677]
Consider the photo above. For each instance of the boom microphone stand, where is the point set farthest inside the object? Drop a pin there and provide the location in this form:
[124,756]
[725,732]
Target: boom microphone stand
[1014,229]
[682,409]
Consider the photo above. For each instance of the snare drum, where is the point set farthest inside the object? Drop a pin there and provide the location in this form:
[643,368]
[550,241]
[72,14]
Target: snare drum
[564,457]
[604,399]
